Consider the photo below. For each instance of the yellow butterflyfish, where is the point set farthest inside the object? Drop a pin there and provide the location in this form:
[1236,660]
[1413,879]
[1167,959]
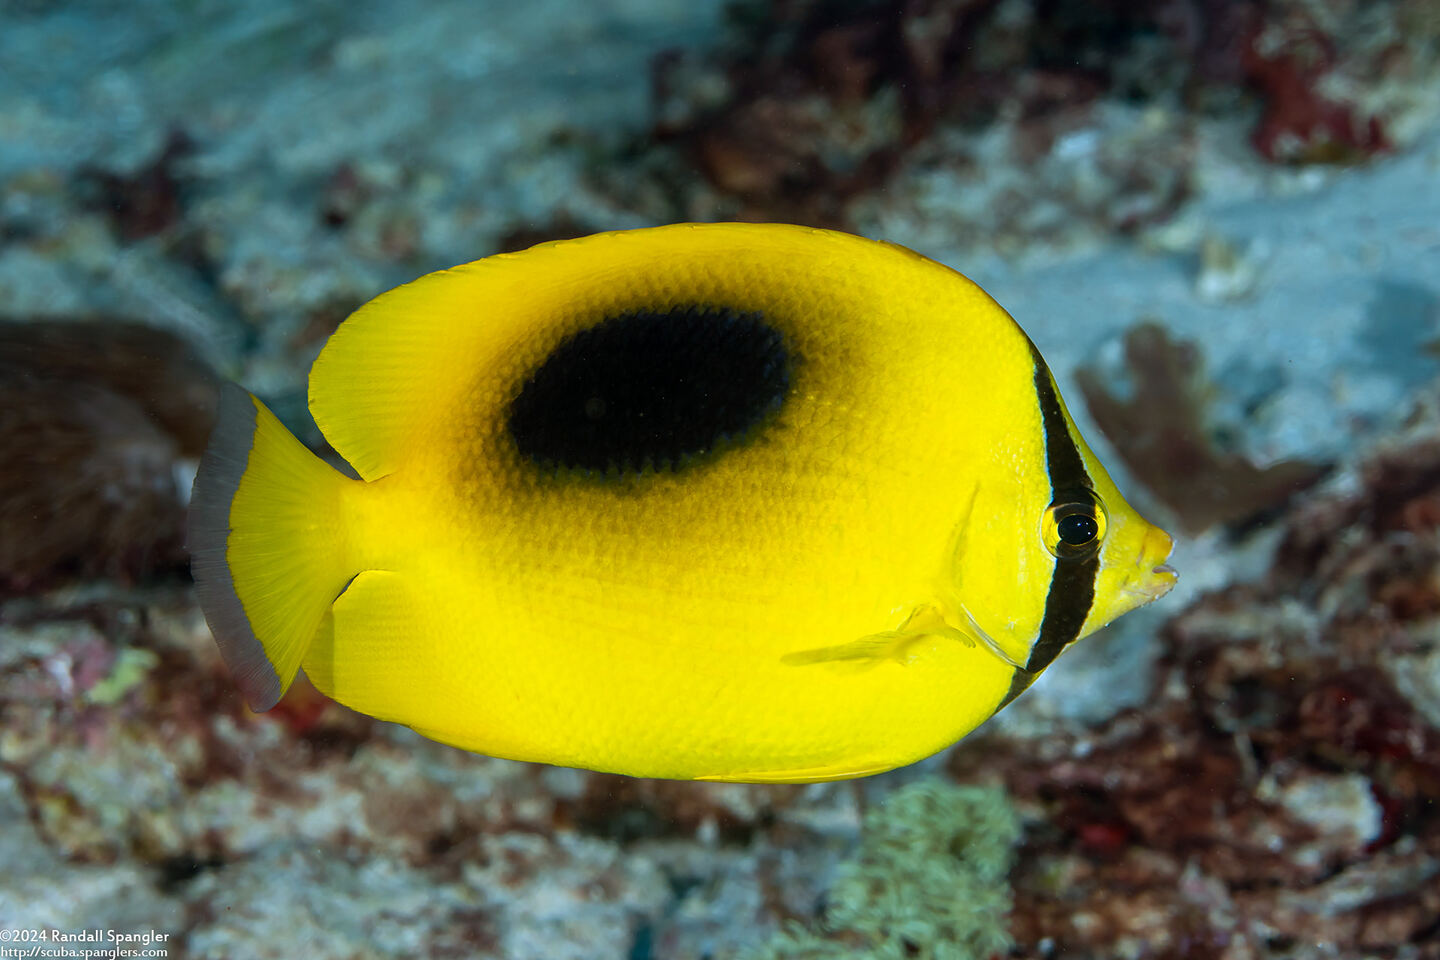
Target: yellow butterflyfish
[747,502]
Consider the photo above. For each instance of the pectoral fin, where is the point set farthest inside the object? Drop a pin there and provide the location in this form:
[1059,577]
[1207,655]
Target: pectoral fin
[925,622]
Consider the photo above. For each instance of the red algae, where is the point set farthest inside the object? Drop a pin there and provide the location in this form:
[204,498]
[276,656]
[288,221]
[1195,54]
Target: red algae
[1299,124]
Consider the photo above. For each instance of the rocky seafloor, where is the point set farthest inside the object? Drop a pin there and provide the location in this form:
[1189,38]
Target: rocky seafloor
[1217,219]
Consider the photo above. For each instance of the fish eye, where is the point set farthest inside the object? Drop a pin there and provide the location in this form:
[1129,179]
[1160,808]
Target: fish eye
[1074,525]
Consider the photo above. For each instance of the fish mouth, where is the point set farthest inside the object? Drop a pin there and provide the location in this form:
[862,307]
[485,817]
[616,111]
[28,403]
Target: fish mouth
[1160,581]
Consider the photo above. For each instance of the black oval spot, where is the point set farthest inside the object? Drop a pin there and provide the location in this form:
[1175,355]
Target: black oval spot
[651,389]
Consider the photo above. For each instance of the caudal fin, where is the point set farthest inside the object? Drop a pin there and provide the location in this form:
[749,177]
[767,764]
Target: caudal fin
[267,545]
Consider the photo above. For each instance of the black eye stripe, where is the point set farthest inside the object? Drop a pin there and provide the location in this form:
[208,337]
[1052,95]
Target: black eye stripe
[1072,584]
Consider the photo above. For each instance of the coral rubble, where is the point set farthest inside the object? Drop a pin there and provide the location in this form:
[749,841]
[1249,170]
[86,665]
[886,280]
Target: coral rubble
[815,105]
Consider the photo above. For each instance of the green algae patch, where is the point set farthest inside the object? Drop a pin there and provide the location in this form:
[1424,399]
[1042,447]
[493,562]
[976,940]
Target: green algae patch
[132,665]
[929,881]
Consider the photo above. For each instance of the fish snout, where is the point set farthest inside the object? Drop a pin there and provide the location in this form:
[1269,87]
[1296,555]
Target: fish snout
[1153,577]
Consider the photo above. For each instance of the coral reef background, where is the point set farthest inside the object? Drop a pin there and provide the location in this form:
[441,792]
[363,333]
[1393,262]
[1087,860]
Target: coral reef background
[1218,219]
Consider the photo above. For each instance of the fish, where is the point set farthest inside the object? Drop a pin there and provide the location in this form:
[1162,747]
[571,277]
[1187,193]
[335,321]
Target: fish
[733,501]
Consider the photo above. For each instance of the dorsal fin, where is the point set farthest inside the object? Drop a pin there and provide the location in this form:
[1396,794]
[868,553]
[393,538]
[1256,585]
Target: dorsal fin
[388,371]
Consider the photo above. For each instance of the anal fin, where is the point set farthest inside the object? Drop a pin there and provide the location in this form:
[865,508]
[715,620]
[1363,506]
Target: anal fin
[847,771]
[369,652]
